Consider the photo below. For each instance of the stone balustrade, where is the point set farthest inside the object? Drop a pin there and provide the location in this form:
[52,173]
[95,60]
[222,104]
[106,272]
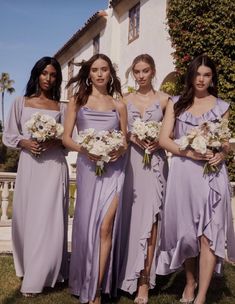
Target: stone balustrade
[7,185]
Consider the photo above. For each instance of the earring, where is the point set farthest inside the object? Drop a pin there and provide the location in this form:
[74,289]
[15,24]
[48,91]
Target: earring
[136,85]
[110,85]
[53,93]
[88,82]
[111,82]
[37,89]
[211,84]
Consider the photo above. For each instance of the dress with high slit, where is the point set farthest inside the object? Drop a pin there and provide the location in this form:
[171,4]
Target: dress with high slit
[95,195]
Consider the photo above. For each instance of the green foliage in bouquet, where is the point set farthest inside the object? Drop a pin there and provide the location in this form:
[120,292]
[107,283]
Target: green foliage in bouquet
[197,27]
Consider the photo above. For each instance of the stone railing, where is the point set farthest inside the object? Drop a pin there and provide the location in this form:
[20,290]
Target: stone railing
[7,185]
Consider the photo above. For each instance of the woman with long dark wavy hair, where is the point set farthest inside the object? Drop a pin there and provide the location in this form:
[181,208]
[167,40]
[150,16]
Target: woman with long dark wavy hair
[96,216]
[197,224]
[40,203]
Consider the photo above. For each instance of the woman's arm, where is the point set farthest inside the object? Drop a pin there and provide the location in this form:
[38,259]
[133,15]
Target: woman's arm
[219,157]
[121,108]
[70,119]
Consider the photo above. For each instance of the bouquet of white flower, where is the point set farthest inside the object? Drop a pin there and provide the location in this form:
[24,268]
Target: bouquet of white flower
[148,131]
[100,143]
[43,127]
[208,135]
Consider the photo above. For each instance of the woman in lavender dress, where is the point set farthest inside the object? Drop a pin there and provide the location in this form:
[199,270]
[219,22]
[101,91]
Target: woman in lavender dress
[40,203]
[97,208]
[197,215]
[144,187]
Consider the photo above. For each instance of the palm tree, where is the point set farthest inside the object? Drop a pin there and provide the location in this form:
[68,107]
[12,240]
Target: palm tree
[5,86]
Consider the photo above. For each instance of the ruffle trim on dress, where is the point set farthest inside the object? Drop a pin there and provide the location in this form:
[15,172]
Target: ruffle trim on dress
[130,283]
[148,112]
[213,114]
[172,260]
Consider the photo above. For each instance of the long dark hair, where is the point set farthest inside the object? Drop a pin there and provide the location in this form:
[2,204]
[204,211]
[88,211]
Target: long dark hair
[32,87]
[83,87]
[186,99]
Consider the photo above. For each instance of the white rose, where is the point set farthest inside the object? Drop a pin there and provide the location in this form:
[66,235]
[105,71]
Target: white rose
[199,144]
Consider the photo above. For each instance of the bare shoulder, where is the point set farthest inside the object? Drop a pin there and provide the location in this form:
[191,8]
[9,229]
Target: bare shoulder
[163,99]
[72,104]
[125,98]
[120,105]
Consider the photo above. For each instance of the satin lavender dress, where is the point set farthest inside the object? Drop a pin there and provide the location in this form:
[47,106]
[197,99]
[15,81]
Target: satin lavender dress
[95,195]
[143,197]
[196,205]
[40,206]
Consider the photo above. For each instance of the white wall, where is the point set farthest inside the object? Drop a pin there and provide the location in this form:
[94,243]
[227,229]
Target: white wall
[153,39]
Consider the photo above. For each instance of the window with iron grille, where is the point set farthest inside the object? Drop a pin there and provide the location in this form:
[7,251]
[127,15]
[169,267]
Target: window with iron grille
[134,23]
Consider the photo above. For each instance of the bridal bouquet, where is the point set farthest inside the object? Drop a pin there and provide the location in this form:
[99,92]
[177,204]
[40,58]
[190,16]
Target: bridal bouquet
[208,135]
[100,143]
[43,127]
[148,131]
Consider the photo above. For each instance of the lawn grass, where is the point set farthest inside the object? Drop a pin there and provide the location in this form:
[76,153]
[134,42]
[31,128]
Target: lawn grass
[168,290]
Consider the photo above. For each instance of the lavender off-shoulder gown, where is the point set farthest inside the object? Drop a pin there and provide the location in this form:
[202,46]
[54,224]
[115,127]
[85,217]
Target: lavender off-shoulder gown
[95,195]
[40,204]
[143,197]
[195,205]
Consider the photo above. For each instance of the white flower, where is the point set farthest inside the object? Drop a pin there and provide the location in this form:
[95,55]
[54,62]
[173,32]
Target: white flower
[59,130]
[183,142]
[43,127]
[100,143]
[199,144]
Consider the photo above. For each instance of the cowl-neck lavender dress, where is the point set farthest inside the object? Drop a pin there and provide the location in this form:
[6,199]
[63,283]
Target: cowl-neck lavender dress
[143,197]
[40,206]
[195,205]
[95,195]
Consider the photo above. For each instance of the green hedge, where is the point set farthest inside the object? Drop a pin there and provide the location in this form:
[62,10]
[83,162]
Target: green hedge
[207,26]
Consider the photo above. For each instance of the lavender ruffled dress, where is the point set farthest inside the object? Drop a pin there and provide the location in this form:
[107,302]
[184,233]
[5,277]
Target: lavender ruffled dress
[95,195]
[143,196]
[40,205]
[195,205]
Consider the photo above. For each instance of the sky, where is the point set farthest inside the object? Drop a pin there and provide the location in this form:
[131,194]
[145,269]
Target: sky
[31,29]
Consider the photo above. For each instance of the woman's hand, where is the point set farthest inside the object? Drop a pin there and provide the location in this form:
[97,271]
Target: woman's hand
[199,156]
[141,143]
[31,145]
[115,154]
[153,146]
[48,144]
[217,158]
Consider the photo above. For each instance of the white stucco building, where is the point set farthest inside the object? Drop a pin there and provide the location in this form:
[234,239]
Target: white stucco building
[125,29]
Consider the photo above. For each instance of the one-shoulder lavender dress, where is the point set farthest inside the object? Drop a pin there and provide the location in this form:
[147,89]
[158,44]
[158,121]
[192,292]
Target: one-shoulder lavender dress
[40,206]
[196,205]
[143,196]
[95,195]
